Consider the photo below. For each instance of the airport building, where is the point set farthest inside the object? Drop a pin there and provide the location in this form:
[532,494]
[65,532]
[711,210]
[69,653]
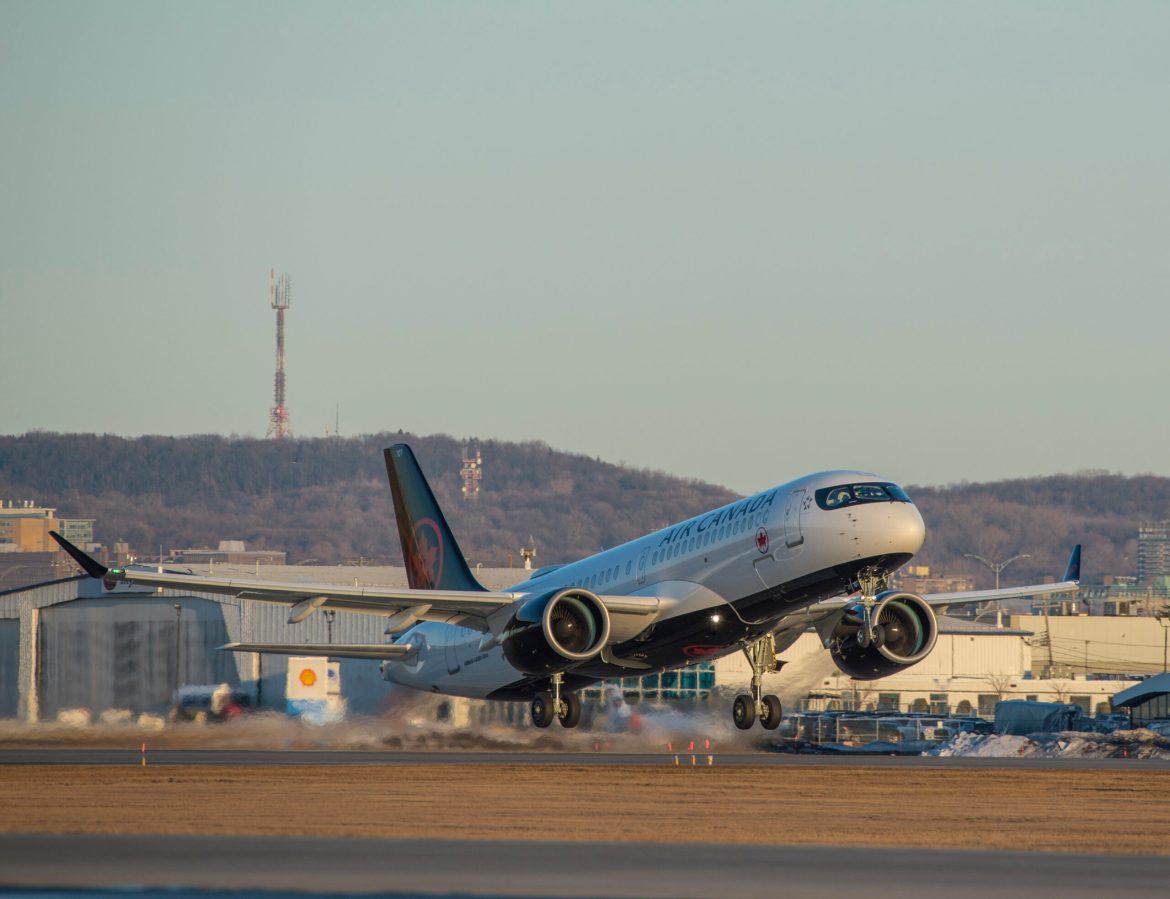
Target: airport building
[1153,552]
[71,647]
[972,667]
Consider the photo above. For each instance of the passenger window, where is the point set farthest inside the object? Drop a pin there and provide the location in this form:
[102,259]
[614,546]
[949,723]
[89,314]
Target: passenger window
[629,565]
[654,560]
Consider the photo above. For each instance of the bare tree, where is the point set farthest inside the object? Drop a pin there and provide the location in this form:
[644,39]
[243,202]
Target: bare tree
[1000,684]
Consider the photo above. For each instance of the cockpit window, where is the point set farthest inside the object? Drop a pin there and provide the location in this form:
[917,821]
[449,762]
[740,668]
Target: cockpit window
[854,494]
[836,496]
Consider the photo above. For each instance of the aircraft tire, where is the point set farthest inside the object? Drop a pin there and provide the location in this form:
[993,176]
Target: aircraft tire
[572,716]
[542,709]
[770,720]
[743,712]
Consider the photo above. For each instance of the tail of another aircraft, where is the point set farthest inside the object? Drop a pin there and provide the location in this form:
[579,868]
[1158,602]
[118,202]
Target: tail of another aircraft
[433,559]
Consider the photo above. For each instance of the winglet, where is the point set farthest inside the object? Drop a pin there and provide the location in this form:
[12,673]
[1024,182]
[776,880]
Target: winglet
[1073,571]
[89,565]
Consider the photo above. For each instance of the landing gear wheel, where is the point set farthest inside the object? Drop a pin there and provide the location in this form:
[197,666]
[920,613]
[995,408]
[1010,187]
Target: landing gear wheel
[770,715]
[542,709]
[743,712]
[571,713]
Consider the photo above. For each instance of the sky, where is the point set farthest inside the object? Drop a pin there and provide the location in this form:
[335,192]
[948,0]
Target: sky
[732,241]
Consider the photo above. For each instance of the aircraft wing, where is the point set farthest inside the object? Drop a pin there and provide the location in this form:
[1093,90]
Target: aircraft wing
[942,601]
[463,607]
[1068,582]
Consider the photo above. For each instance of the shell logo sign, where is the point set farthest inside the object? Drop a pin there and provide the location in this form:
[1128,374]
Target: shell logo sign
[308,677]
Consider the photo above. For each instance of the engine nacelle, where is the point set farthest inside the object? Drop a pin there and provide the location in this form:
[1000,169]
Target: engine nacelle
[907,630]
[556,631]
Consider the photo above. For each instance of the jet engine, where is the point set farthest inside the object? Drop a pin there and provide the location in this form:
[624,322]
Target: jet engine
[905,630]
[556,631]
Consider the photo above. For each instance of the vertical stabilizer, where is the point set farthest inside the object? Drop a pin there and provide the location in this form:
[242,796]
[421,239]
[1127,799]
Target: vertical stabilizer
[433,559]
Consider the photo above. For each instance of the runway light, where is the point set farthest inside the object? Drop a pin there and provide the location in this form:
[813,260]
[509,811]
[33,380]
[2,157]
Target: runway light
[715,618]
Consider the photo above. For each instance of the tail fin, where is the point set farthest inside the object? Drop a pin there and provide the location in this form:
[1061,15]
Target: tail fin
[1073,571]
[433,559]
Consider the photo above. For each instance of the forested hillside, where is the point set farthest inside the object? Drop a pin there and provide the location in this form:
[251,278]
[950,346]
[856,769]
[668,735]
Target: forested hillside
[1043,517]
[327,499]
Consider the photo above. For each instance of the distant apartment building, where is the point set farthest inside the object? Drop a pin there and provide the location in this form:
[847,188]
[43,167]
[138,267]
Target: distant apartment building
[25,526]
[78,531]
[1153,552]
[918,579]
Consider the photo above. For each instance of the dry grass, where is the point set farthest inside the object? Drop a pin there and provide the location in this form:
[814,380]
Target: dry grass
[1120,811]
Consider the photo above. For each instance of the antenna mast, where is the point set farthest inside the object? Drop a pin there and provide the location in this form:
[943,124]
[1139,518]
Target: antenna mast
[280,294]
[472,471]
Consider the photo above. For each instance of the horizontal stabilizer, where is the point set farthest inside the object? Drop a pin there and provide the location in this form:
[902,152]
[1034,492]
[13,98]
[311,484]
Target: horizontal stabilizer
[332,650]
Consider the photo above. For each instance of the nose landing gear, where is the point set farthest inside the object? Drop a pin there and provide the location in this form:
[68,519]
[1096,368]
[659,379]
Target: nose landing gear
[548,705]
[872,581]
[761,655]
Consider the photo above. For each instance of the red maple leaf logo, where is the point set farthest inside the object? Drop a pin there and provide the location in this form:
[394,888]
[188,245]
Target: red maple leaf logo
[429,552]
[427,558]
[762,540]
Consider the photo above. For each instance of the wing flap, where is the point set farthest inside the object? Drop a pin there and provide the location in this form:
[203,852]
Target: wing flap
[332,650]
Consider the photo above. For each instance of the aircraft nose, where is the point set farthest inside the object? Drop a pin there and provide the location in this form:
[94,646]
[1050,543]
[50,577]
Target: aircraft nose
[908,531]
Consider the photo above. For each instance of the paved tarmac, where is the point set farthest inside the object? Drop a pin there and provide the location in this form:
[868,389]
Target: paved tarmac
[239,757]
[561,869]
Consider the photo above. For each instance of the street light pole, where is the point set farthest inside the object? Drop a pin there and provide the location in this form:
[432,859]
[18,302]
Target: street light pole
[178,645]
[997,567]
[1162,616]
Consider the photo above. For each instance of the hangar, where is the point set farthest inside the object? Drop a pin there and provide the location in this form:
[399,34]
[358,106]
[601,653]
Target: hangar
[73,644]
[1147,701]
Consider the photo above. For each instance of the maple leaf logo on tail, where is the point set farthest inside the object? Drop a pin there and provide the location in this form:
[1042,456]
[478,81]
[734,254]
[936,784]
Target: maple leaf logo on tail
[427,558]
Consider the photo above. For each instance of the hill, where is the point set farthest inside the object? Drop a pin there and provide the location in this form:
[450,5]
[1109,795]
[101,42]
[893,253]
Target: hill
[327,499]
[1043,517]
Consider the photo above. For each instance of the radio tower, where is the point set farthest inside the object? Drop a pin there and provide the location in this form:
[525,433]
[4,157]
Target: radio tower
[279,293]
[472,471]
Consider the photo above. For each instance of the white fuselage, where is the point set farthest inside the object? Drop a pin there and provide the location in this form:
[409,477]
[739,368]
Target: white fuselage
[734,564]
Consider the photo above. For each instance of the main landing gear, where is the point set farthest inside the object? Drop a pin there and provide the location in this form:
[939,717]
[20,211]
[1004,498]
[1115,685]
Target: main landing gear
[761,655]
[548,705]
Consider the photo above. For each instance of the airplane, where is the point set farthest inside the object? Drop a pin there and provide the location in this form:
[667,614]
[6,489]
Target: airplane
[749,576]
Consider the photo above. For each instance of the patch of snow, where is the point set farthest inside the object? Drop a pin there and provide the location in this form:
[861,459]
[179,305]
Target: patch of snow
[1119,744]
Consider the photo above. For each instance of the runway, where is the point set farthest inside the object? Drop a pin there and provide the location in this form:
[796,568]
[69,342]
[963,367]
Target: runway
[406,867]
[259,757]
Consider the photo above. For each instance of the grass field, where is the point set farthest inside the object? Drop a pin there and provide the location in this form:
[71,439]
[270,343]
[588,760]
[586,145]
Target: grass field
[1065,811]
